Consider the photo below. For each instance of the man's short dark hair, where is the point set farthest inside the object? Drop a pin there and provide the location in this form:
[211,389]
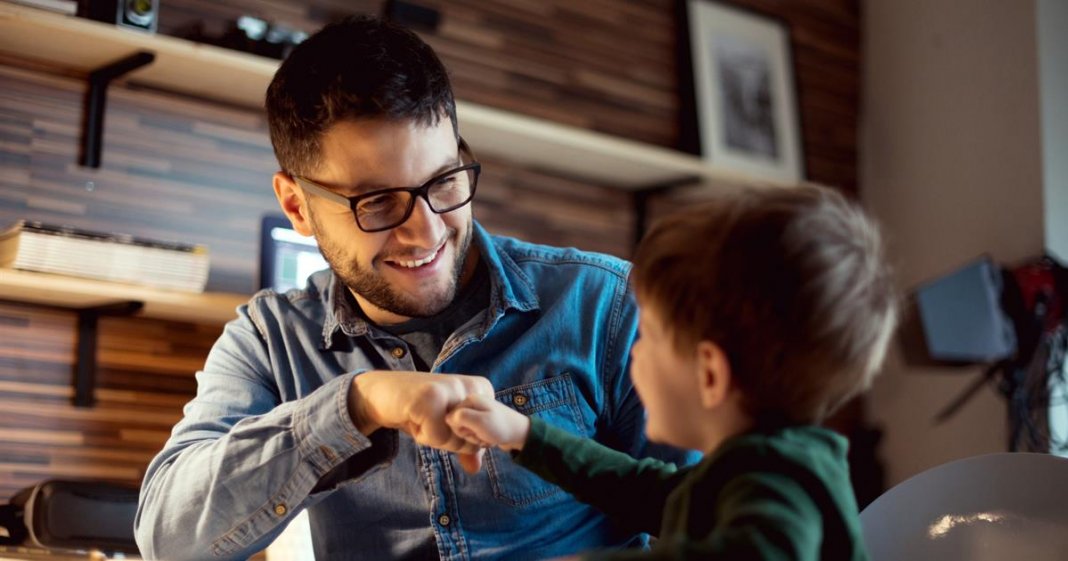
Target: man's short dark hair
[360,67]
[791,283]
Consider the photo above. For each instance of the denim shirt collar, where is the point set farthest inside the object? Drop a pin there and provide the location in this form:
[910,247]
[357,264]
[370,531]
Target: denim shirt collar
[510,289]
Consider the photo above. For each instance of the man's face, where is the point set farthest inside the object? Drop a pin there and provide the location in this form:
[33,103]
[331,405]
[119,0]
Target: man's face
[412,270]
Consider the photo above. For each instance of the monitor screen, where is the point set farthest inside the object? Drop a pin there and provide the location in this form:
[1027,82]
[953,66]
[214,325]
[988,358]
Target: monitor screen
[286,257]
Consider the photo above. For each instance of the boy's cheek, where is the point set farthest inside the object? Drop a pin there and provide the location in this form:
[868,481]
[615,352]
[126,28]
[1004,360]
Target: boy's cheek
[637,373]
[636,365]
[637,350]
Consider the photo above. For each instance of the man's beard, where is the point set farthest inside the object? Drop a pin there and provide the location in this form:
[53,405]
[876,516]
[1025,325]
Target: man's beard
[370,285]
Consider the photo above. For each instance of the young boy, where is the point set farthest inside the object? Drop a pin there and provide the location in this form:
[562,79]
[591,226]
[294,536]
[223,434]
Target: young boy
[761,313]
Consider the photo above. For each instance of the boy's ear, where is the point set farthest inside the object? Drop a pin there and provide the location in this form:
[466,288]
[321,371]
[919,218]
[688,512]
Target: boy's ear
[713,374]
[291,198]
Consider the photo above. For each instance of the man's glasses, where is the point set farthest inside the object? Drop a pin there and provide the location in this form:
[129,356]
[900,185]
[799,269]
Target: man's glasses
[388,208]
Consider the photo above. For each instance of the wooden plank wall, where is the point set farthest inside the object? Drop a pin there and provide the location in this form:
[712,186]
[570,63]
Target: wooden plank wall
[606,65]
[144,377]
[181,168]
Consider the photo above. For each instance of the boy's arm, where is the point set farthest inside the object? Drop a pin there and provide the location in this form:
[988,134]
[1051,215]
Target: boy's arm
[631,492]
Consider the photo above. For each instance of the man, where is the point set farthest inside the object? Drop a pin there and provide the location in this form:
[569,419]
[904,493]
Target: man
[328,398]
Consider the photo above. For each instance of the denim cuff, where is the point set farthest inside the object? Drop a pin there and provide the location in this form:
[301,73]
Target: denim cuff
[331,444]
[325,433]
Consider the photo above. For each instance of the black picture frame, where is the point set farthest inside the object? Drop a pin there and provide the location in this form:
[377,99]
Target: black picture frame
[738,91]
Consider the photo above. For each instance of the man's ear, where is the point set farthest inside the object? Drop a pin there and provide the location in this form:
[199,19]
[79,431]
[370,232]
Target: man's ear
[713,374]
[291,198]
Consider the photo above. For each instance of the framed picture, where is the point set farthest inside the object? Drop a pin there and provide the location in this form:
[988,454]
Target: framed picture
[744,91]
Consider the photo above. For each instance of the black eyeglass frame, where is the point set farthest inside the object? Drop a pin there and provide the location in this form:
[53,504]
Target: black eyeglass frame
[414,192]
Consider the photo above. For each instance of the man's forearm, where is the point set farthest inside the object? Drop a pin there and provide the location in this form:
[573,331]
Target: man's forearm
[224,491]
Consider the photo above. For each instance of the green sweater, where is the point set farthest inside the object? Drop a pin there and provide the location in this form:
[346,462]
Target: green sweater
[775,495]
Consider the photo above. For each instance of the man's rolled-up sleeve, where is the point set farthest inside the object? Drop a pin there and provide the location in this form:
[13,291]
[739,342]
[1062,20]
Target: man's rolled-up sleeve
[240,464]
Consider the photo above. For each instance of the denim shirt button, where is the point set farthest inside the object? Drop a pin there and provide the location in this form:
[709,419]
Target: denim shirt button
[280,509]
[444,520]
[519,400]
[398,352]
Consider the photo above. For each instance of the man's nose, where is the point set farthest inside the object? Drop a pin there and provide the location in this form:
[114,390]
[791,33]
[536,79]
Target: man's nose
[423,228]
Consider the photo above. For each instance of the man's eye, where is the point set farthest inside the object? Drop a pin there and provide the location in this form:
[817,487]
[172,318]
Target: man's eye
[377,204]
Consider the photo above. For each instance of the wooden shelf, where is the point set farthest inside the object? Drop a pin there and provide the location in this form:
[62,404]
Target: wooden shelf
[181,66]
[93,299]
[239,78]
[77,294]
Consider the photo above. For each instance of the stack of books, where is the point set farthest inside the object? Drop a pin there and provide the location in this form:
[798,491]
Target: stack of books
[33,246]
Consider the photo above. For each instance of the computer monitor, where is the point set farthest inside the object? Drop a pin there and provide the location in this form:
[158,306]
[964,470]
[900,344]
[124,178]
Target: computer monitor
[286,257]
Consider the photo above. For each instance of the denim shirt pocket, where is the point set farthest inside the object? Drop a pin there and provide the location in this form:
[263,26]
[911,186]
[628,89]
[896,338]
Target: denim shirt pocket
[552,400]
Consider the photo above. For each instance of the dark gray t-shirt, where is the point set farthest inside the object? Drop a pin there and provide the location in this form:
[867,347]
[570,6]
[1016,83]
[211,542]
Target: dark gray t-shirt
[426,336]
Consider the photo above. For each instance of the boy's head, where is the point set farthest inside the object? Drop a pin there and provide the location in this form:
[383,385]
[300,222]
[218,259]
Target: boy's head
[788,285]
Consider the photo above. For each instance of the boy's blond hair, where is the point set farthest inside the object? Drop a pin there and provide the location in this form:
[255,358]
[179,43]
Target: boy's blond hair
[791,284]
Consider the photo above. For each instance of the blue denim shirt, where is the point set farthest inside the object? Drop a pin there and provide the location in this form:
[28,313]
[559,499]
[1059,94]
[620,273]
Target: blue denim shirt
[268,433]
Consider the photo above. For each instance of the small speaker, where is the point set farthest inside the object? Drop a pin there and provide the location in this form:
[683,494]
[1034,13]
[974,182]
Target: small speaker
[142,15]
[962,316]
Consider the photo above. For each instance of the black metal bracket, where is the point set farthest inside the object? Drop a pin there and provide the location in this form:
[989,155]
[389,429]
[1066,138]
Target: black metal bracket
[640,198]
[85,365]
[96,102]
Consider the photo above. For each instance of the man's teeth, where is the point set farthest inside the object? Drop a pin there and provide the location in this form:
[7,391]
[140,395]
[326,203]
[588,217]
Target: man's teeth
[419,263]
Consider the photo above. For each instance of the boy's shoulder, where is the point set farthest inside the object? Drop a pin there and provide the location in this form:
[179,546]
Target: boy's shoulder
[795,469]
[810,447]
[811,456]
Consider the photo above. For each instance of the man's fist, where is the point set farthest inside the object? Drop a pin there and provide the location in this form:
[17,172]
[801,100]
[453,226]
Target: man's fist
[416,403]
